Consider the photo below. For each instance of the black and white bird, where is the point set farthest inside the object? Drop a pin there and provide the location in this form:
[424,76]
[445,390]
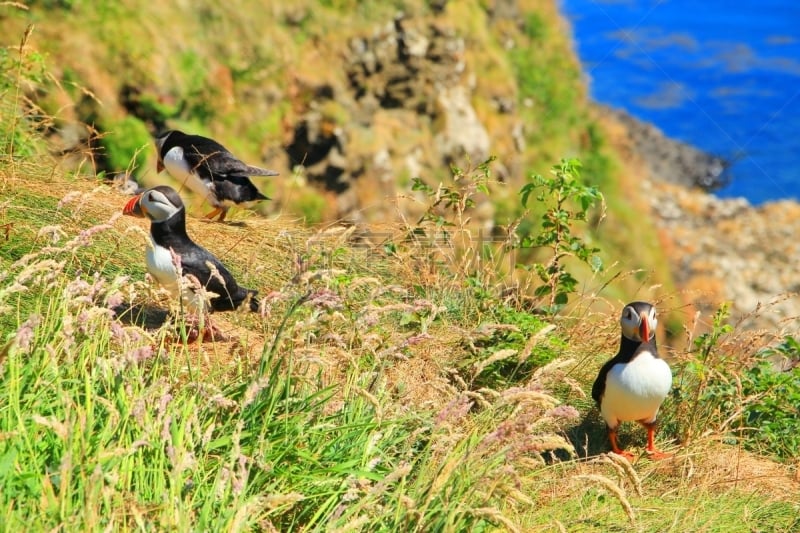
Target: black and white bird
[204,284]
[210,170]
[633,384]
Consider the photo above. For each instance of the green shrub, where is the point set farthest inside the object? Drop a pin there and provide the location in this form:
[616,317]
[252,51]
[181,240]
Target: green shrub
[568,201]
[125,144]
[513,347]
[752,402]
[770,421]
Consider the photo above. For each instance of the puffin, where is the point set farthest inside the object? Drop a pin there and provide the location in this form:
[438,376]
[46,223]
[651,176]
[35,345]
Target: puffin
[210,170]
[170,245]
[632,385]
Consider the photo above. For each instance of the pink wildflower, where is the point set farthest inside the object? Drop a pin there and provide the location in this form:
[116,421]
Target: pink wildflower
[24,337]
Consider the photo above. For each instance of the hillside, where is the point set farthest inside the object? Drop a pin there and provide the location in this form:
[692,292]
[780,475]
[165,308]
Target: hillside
[389,382]
[350,101]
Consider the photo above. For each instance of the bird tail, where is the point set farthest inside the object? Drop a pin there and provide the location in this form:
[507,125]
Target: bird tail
[255,302]
[258,171]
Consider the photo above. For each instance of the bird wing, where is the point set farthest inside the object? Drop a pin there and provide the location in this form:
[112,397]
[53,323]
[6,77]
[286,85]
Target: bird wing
[213,275]
[213,161]
[599,386]
[209,158]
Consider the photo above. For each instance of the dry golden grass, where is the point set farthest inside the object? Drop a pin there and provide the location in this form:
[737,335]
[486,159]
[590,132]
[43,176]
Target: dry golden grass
[699,475]
[263,253]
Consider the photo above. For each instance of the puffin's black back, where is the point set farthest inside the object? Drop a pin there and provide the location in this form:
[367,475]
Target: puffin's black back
[195,260]
[207,157]
[201,144]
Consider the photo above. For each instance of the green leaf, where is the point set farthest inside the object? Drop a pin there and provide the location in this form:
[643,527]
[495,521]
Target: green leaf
[525,193]
[418,185]
[542,290]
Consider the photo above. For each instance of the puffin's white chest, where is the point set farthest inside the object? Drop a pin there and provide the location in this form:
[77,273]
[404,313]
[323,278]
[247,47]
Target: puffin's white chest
[179,169]
[160,265]
[635,391]
[162,268]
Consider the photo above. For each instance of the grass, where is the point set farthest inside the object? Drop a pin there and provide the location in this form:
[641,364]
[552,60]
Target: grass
[347,412]
[591,506]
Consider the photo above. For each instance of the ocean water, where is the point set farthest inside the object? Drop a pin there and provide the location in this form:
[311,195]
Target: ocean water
[721,75]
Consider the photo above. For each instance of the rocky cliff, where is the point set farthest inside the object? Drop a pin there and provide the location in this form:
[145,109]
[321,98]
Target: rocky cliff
[719,249]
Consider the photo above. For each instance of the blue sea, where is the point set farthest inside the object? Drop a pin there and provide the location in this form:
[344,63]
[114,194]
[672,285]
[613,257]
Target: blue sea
[721,75]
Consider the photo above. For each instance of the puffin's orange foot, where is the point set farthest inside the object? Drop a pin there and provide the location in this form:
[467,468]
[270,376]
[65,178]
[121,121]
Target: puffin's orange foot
[612,436]
[657,455]
[217,212]
[651,443]
[206,334]
[624,453]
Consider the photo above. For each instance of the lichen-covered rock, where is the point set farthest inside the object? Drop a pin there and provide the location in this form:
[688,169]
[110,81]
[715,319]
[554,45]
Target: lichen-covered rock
[404,110]
[462,135]
[404,64]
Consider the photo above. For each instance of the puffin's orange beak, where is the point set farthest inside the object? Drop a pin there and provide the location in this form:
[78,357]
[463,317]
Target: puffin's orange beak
[644,328]
[133,207]
[159,166]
